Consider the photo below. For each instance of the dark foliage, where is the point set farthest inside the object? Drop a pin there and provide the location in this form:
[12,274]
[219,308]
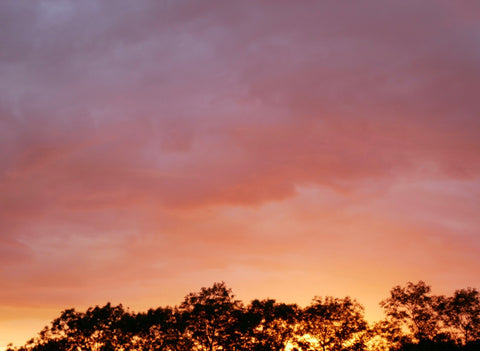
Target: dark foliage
[212,319]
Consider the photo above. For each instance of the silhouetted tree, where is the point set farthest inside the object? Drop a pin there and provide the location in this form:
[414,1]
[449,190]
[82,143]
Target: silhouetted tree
[268,325]
[98,329]
[210,318]
[462,315]
[332,324]
[158,329]
[384,335]
[414,309]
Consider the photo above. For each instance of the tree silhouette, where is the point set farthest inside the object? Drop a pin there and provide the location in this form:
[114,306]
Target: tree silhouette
[332,324]
[70,331]
[268,325]
[158,329]
[462,314]
[385,335]
[413,308]
[99,328]
[211,318]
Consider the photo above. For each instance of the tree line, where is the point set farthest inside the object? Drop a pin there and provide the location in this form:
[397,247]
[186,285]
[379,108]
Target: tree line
[213,319]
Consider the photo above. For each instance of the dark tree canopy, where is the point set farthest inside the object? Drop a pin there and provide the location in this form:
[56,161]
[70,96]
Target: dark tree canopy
[462,314]
[212,319]
[415,309]
[332,324]
[268,325]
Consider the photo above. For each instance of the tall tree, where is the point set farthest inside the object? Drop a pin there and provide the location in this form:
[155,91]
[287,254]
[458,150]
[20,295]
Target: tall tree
[413,308]
[211,318]
[462,314]
[267,325]
[332,324]
[159,329]
[98,329]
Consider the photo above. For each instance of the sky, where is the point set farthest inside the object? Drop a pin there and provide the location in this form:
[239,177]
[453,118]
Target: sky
[289,148]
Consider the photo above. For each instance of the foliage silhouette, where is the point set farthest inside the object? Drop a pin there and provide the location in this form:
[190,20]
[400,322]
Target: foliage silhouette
[212,319]
[268,325]
[332,324]
[462,315]
[412,307]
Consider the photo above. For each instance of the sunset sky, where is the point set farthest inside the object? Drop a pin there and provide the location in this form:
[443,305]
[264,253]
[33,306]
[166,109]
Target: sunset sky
[288,148]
